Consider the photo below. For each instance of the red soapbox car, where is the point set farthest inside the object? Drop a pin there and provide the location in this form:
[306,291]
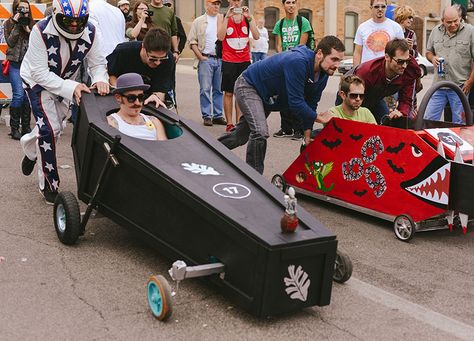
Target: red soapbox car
[420,179]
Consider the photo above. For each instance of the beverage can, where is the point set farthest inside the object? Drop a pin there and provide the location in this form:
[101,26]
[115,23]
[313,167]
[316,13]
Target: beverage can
[441,66]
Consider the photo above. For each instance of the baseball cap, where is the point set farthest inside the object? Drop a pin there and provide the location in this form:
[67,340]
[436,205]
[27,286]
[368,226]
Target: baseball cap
[212,1]
[123,2]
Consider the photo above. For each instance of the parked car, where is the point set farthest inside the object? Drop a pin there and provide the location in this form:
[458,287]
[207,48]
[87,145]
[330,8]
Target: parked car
[425,65]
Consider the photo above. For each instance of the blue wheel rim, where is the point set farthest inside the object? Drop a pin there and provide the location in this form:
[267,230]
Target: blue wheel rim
[155,299]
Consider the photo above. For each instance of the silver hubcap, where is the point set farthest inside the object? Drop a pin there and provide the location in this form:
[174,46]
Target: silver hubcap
[277,181]
[403,228]
[61,218]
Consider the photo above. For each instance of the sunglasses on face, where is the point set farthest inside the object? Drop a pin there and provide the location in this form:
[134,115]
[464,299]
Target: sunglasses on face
[401,61]
[167,4]
[380,6]
[353,95]
[156,59]
[132,98]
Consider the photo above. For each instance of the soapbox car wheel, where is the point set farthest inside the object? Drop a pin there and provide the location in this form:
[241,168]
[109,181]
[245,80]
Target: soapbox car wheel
[404,228]
[159,297]
[342,267]
[279,182]
[67,218]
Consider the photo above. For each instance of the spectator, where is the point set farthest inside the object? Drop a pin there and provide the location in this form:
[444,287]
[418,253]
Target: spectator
[290,33]
[152,59]
[109,23]
[233,31]
[352,90]
[404,17]
[385,76]
[454,41]
[373,34]
[141,22]
[294,79]
[181,32]
[129,120]
[50,85]
[164,18]
[124,7]
[202,38]
[17,33]
[259,47]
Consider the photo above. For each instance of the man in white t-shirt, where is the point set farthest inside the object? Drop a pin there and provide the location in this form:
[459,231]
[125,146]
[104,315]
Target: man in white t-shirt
[259,47]
[373,34]
[202,40]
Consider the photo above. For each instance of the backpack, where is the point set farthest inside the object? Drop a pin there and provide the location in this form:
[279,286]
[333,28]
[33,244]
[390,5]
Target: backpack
[219,43]
[299,19]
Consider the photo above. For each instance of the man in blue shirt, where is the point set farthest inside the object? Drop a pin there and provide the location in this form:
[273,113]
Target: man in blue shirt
[291,80]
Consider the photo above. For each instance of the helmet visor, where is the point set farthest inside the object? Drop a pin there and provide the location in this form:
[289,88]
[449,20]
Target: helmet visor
[70,24]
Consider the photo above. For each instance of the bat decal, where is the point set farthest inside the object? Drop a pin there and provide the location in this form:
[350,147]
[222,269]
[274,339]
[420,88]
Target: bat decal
[396,169]
[360,194]
[395,150]
[339,130]
[331,144]
[356,137]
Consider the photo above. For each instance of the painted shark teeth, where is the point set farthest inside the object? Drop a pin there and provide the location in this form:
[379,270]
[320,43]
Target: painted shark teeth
[434,188]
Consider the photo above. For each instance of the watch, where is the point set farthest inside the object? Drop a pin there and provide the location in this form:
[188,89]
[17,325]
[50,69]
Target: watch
[176,51]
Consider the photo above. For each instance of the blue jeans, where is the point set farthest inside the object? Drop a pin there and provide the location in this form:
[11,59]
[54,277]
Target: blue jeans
[252,126]
[18,93]
[257,56]
[439,100]
[210,95]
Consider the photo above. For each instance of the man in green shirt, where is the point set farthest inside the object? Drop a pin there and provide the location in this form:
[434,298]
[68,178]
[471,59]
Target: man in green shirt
[289,35]
[163,17]
[352,91]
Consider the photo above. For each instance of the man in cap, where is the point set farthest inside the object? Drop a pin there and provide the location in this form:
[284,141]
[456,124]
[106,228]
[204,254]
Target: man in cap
[124,6]
[129,120]
[57,47]
[202,38]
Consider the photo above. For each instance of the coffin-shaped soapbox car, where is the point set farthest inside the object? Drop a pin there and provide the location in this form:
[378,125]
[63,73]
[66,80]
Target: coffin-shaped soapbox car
[195,201]
[416,178]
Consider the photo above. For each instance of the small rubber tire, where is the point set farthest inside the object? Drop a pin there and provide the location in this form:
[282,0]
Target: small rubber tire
[424,71]
[159,297]
[342,267]
[279,182]
[67,218]
[404,228]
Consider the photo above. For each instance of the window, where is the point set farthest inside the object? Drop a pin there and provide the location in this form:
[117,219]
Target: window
[272,14]
[307,13]
[350,27]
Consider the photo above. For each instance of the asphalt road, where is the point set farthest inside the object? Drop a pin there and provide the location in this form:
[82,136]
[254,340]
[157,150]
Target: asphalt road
[421,290]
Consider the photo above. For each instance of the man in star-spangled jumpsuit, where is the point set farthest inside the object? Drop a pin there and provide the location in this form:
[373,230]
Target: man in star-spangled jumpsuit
[56,50]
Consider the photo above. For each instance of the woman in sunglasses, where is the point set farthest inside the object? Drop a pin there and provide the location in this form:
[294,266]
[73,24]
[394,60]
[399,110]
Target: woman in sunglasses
[141,22]
[404,16]
[129,120]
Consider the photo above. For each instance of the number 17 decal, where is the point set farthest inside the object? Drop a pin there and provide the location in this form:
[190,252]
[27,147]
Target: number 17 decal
[231,190]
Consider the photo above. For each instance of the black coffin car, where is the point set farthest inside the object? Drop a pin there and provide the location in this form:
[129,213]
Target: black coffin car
[195,200]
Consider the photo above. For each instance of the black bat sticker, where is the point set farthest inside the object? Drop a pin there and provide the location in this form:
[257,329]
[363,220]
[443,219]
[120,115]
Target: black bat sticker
[339,130]
[331,144]
[356,137]
[396,169]
[395,150]
[360,194]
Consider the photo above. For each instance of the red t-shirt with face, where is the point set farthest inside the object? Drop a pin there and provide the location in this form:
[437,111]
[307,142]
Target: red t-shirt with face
[236,47]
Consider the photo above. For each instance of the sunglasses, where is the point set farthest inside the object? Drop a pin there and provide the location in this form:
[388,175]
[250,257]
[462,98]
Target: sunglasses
[380,6]
[168,4]
[132,98]
[355,96]
[401,61]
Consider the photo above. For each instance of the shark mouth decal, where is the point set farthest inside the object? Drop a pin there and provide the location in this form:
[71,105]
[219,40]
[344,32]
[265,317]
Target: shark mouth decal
[432,184]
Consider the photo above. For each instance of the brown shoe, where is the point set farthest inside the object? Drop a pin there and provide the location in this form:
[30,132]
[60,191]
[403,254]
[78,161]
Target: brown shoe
[219,121]
[207,122]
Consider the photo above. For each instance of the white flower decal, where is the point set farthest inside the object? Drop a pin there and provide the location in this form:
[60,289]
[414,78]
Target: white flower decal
[199,169]
[298,283]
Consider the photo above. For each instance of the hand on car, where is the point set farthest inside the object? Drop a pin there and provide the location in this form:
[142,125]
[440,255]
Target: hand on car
[154,98]
[102,88]
[394,114]
[81,87]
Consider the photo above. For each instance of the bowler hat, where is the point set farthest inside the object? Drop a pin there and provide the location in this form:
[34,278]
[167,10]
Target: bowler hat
[128,82]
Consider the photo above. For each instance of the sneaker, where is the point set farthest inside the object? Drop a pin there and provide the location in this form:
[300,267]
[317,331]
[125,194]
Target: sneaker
[48,195]
[15,134]
[219,121]
[282,133]
[27,165]
[297,136]
[229,127]
[207,122]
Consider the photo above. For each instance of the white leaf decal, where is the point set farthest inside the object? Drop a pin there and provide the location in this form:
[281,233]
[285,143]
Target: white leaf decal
[199,169]
[298,283]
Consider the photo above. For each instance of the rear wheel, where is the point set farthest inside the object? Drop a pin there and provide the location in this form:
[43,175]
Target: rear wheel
[279,182]
[423,70]
[342,267]
[67,218]
[159,297]
[404,227]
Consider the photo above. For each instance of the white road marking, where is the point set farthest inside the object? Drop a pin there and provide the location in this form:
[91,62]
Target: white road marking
[439,321]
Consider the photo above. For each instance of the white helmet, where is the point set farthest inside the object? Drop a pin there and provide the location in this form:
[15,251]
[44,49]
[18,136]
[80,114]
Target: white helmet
[70,17]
